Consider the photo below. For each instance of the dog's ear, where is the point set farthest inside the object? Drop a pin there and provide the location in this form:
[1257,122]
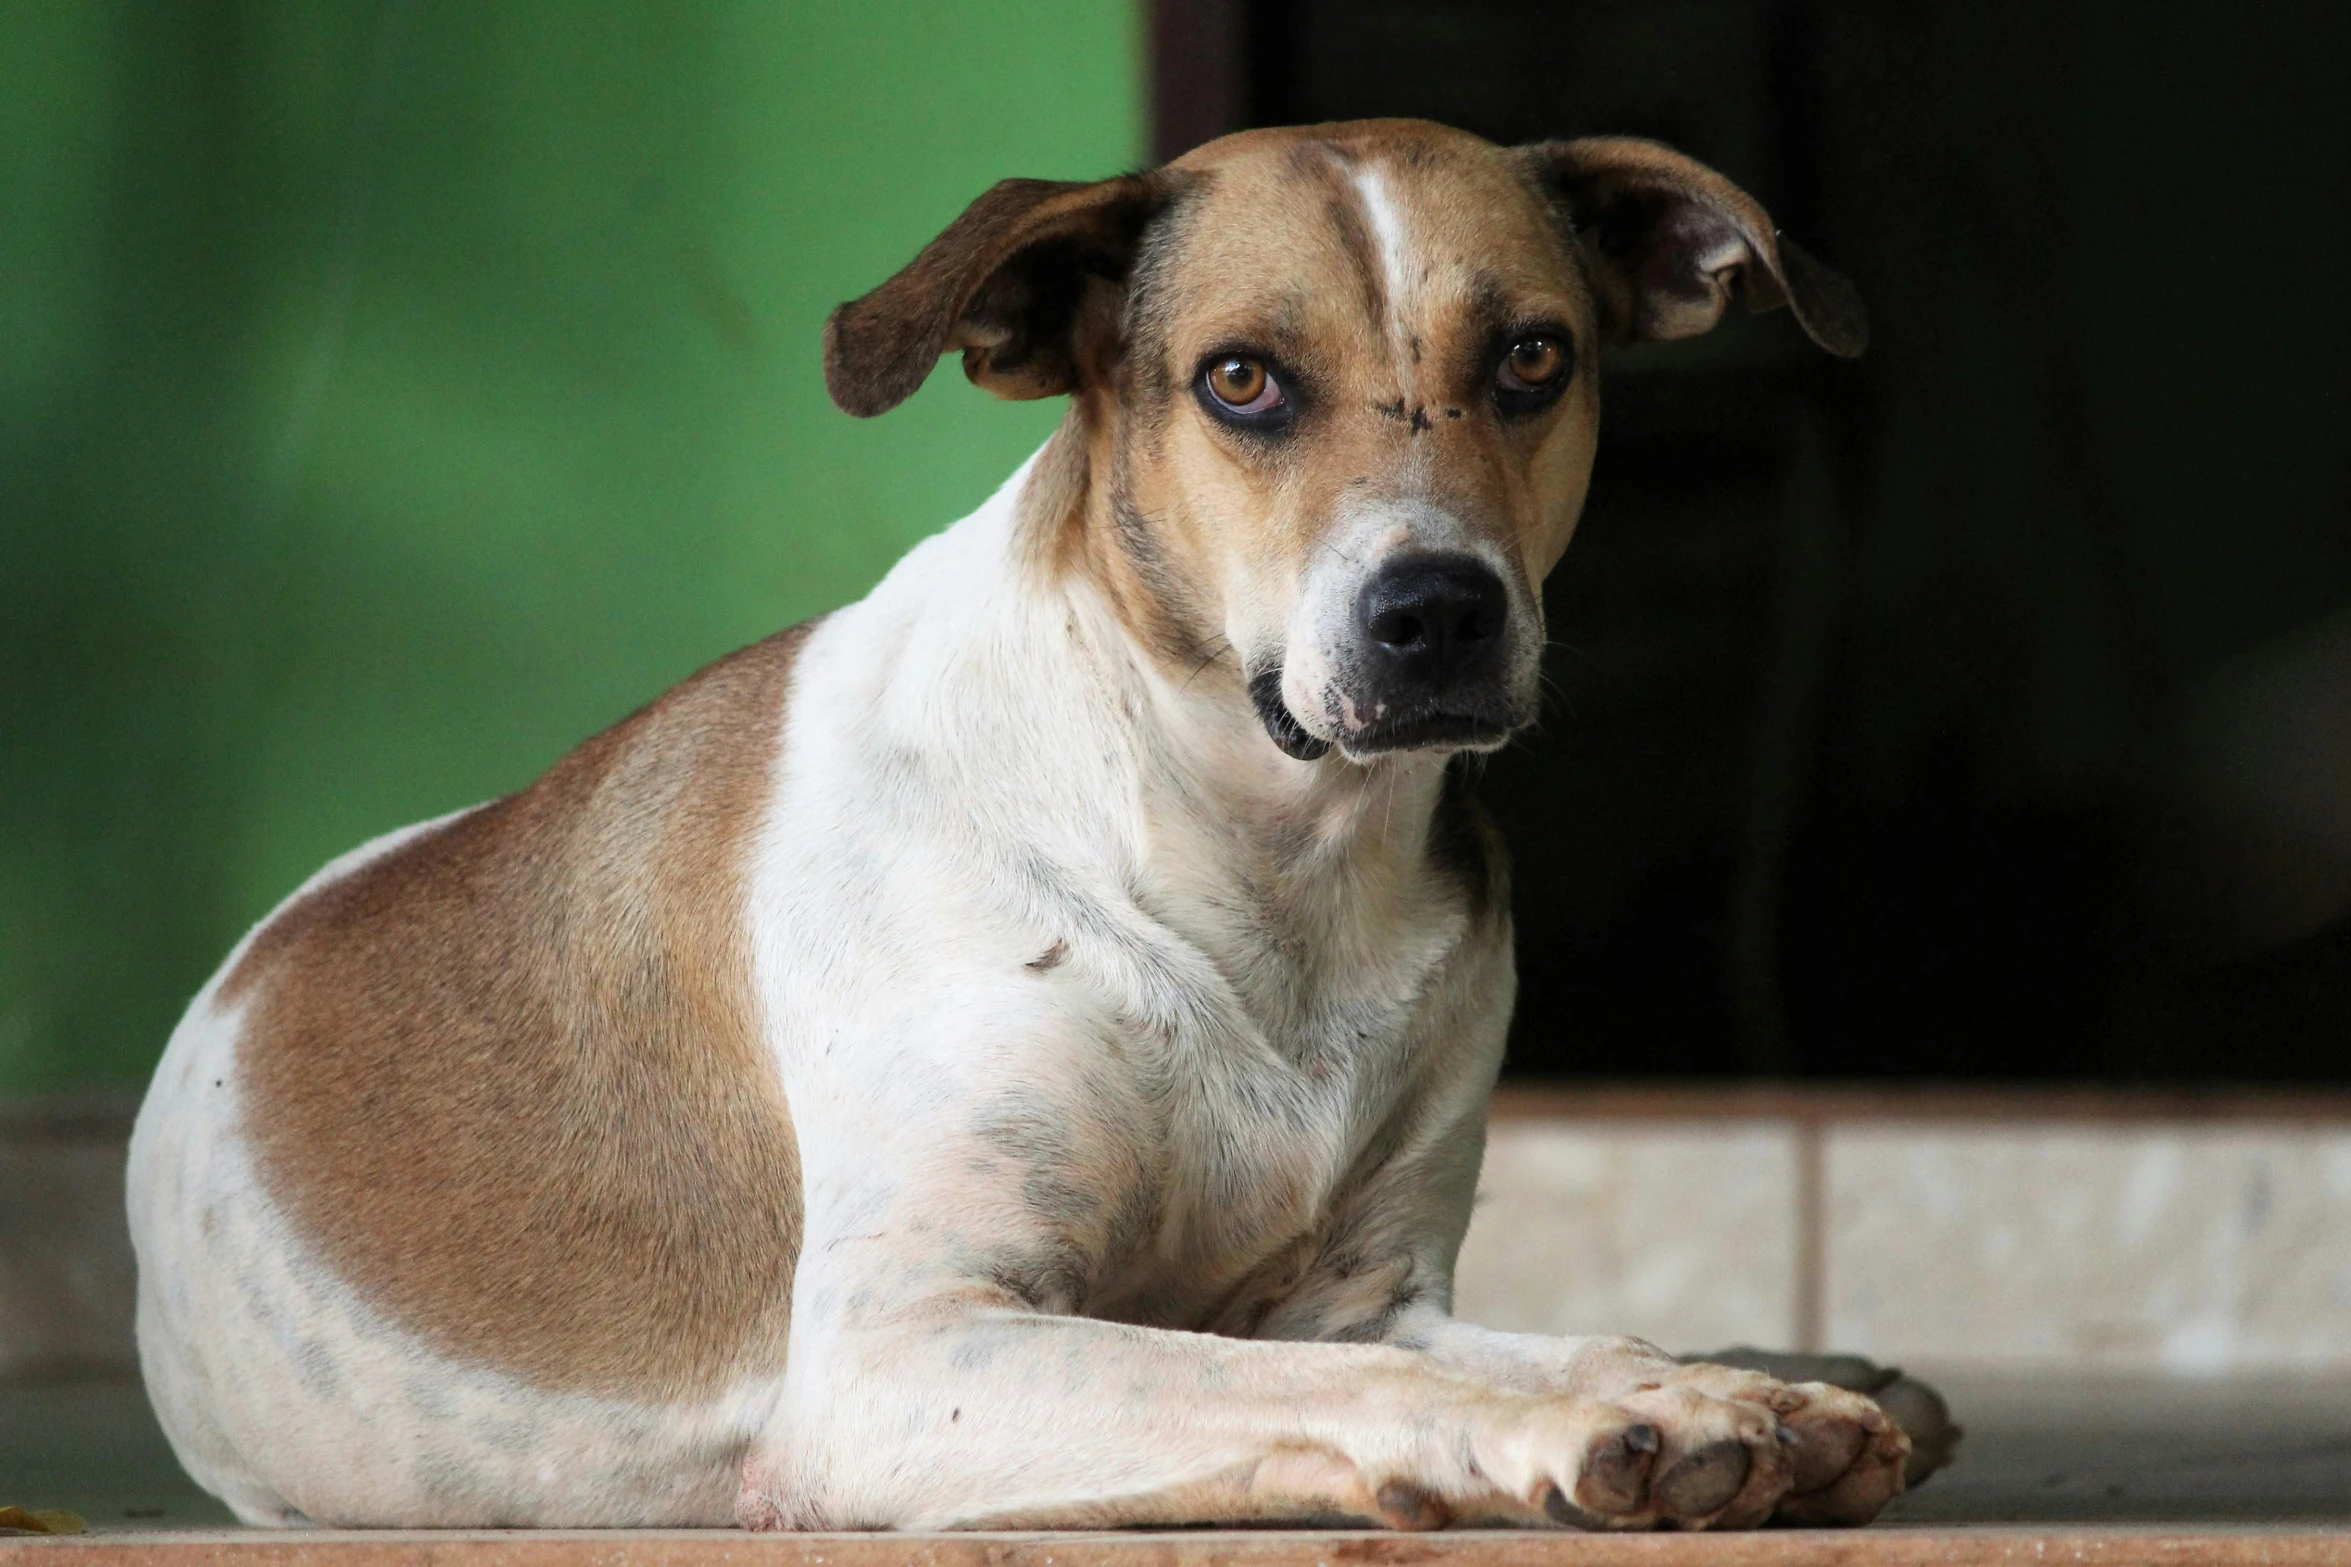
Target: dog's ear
[1672,243]
[1009,282]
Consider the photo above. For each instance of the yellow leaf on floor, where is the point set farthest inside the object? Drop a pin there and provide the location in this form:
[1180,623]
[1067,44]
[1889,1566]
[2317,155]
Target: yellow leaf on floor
[26,1520]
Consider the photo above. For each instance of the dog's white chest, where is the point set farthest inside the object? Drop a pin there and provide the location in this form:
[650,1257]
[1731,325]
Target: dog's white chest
[1272,1089]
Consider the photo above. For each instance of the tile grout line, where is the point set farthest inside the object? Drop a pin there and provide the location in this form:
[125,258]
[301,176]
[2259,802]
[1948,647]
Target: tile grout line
[1811,1303]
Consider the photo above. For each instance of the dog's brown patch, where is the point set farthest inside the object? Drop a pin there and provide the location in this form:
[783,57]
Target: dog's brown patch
[508,1080]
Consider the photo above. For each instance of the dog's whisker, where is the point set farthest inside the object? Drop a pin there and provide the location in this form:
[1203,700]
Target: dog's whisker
[1215,652]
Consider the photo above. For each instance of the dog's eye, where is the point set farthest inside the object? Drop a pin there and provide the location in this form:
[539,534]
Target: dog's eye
[1240,385]
[1533,364]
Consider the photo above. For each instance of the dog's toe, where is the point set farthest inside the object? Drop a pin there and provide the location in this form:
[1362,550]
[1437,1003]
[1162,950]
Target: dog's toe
[1850,1460]
[1404,1505]
[1703,1481]
[1614,1476]
[1826,1446]
[1722,1462]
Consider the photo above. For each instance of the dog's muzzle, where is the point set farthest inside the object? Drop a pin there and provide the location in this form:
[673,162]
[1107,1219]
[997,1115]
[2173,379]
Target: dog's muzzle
[1426,662]
[1432,657]
[1265,689]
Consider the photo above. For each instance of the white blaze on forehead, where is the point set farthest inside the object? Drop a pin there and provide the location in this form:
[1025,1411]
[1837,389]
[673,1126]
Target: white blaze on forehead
[1387,226]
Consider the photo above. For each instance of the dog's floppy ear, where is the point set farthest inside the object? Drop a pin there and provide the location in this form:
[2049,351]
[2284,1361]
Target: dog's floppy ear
[1007,282]
[1672,243]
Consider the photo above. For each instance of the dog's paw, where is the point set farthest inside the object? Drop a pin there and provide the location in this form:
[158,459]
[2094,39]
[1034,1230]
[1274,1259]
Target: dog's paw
[1659,1456]
[1848,1456]
[1917,1408]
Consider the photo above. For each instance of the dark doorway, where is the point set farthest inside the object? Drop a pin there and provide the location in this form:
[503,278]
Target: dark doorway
[1981,708]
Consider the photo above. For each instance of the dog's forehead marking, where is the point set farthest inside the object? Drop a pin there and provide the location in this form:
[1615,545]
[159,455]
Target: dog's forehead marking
[1386,218]
[1387,225]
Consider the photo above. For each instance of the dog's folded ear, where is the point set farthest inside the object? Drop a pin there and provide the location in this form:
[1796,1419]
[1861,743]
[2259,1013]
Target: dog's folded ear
[1672,243]
[1016,282]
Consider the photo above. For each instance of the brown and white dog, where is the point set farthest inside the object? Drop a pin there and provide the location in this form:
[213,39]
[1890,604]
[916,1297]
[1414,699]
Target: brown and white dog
[1015,1051]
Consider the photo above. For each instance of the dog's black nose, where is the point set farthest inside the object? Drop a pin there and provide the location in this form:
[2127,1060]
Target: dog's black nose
[1433,619]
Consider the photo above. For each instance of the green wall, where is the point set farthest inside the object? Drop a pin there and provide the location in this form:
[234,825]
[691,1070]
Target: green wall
[392,395]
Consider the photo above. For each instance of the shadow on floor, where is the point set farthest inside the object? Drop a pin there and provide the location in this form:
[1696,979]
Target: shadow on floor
[2045,1448]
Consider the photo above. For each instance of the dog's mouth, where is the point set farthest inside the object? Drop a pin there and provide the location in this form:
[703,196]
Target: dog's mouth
[1436,729]
[1265,690]
[1471,726]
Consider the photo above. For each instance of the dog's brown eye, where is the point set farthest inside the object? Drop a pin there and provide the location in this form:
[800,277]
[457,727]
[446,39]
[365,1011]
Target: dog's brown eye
[1532,364]
[1243,385]
[1241,392]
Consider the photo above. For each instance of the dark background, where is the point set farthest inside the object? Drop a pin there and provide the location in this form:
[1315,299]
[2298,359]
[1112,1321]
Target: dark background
[1981,709]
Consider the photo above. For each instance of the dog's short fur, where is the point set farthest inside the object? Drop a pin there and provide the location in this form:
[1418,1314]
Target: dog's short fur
[1016,1050]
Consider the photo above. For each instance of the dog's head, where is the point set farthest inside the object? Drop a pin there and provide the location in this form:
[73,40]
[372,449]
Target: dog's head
[1338,386]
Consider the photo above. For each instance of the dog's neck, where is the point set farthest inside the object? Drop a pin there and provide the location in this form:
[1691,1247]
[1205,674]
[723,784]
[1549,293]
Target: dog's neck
[1300,827]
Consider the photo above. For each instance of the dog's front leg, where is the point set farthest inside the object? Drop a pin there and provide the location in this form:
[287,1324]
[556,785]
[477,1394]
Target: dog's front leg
[981,1413]
[1385,1276]
[1849,1456]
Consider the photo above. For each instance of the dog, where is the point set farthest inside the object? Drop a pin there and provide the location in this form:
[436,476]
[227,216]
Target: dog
[1013,1052]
